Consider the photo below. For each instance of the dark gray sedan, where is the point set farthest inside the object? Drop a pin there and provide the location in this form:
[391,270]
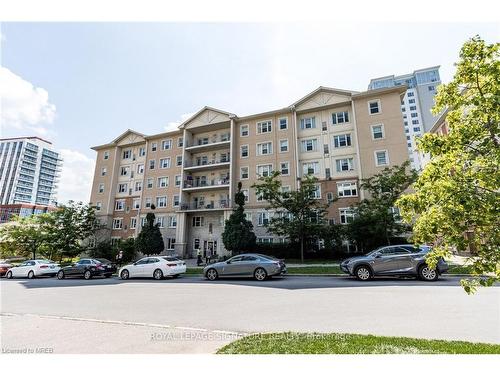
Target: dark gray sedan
[257,266]
[396,260]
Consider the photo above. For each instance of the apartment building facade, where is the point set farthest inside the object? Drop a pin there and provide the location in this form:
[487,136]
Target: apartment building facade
[416,104]
[29,173]
[191,174]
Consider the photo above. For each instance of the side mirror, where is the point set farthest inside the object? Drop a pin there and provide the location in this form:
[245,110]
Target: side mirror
[228,262]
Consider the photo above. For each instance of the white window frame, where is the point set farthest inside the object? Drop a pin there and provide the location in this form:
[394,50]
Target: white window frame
[314,145]
[148,202]
[136,204]
[159,184]
[347,137]
[180,142]
[346,212]
[260,148]
[342,188]
[286,122]
[262,216]
[154,146]
[117,220]
[100,189]
[350,164]
[133,222]
[178,180]
[104,170]
[140,168]
[168,163]
[315,163]
[268,126]
[158,198]
[241,151]
[379,105]
[373,133]
[242,130]
[287,145]
[106,155]
[264,165]
[386,158]
[166,144]
[241,173]
[125,190]
[176,200]
[287,167]
[120,207]
[198,221]
[178,160]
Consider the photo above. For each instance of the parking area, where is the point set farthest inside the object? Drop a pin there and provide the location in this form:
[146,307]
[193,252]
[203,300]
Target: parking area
[193,315]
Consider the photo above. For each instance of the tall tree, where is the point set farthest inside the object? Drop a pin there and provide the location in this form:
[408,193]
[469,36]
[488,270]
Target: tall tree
[298,214]
[238,235]
[375,221]
[150,241]
[456,203]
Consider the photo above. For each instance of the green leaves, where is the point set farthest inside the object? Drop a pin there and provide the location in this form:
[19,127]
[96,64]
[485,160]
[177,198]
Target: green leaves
[150,241]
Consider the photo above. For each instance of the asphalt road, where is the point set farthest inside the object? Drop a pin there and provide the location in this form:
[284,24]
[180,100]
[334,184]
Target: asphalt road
[192,315]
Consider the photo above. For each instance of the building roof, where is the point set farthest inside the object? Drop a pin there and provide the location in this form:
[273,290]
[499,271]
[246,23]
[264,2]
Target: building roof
[28,137]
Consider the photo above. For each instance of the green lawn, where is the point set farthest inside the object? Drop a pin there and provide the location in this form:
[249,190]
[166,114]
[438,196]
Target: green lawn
[458,269]
[336,343]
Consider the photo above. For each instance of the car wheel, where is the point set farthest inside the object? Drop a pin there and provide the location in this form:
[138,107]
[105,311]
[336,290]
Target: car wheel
[212,274]
[124,275]
[31,275]
[363,273]
[87,275]
[158,274]
[9,275]
[60,275]
[260,274]
[427,274]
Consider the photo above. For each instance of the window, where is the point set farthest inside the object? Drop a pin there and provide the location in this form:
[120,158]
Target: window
[326,149]
[413,108]
[264,148]
[143,221]
[122,188]
[140,168]
[103,171]
[410,94]
[324,126]
[244,151]
[106,155]
[248,216]
[246,194]
[198,221]
[414,122]
[101,188]
[414,115]
[162,182]
[154,146]
[343,140]
[98,206]
[263,219]
[310,168]
[176,200]
[244,130]
[327,173]
[180,142]
[136,203]
[377,131]
[283,123]
[374,107]
[117,223]
[149,183]
[127,154]
[119,205]
[344,165]
[166,144]
[431,88]
[309,145]
[264,170]
[178,160]
[124,171]
[244,173]
[264,127]
[264,240]
[172,221]
[178,180]
[284,145]
[133,222]
[165,163]
[308,123]
[148,202]
[381,158]
[347,189]
[161,201]
[340,117]
[170,243]
[152,164]
[285,168]
[160,220]
[329,197]
[142,151]
[346,215]
[416,129]
[316,193]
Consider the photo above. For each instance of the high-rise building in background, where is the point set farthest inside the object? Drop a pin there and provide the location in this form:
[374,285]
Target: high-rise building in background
[191,174]
[416,104]
[29,172]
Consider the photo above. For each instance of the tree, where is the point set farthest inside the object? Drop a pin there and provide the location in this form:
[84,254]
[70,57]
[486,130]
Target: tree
[69,226]
[238,234]
[150,240]
[375,222]
[26,236]
[298,214]
[456,203]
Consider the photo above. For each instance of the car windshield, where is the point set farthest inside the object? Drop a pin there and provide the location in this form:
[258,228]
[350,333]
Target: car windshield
[268,257]
[43,261]
[371,253]
[171,259]
[102,260]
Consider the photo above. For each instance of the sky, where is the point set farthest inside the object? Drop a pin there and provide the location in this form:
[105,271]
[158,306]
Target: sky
[83,84]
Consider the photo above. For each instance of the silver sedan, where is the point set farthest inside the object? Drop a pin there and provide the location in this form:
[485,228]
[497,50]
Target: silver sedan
[257,266]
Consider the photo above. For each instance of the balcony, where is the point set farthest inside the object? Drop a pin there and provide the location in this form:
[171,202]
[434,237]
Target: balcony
[207,164]
[194,185]
[206,206]
[208,145]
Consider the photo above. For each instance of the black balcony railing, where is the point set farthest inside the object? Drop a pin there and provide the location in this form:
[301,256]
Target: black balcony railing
[207,205]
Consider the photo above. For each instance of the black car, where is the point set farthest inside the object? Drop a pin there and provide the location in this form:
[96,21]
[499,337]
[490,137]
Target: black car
[86,268]
[108,265]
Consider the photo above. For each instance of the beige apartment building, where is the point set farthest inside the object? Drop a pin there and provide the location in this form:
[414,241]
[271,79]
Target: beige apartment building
[191,174]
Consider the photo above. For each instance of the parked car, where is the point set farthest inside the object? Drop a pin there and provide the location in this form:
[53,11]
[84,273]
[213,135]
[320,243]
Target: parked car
[86,268]
[156,267]
[258,266]
[4,267]
[108,265]
[396,260]
[34,268]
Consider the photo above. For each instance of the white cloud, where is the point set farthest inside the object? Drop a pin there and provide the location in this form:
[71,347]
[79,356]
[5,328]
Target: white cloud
[76,177]
[173,125]
[24,106]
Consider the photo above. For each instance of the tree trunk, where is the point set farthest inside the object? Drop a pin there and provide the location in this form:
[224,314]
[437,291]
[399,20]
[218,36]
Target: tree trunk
[302,249]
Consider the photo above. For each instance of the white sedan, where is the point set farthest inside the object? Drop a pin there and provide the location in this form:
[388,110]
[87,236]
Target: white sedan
[34,268]
[156,267]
